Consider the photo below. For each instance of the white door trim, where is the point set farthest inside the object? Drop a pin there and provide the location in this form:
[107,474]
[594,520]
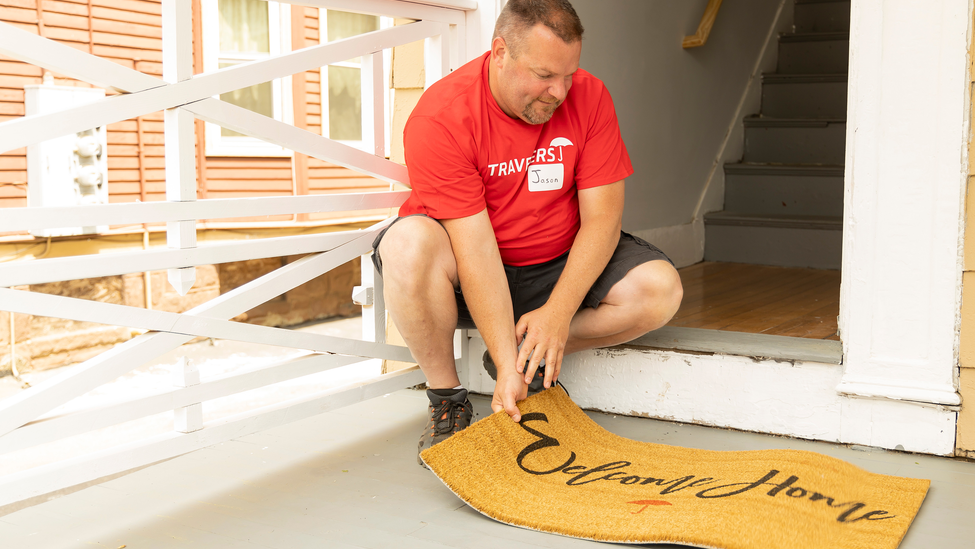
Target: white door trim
[906,174]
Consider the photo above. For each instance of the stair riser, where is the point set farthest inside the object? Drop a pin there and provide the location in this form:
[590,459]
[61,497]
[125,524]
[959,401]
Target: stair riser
[814,57]
[804,100]
[784,195]
[823,17]
[813,248]
[791,145]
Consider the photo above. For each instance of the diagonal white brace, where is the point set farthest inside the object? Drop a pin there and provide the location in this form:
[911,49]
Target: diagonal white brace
[273,131]
[73,63]
[28,405]
[23,301]
[27,130]
[74,423]
[17,219]
[86,468]
[19,273]
[82,66]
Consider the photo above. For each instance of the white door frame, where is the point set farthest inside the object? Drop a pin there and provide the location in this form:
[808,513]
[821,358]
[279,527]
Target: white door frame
[906,175]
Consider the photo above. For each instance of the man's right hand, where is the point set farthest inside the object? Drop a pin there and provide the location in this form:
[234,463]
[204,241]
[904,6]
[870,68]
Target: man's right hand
[485,286]
[509,389]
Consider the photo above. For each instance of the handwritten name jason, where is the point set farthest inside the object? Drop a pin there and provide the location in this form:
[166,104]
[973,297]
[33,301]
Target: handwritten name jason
[616,471]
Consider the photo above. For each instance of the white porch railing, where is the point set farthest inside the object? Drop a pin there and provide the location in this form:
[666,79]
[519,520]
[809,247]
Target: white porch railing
[26,420]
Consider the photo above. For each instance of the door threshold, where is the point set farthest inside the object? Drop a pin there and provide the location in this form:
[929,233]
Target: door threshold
[758,346]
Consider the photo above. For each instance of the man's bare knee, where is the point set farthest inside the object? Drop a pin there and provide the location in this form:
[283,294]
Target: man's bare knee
[662,293]
[413,250]
[654,290]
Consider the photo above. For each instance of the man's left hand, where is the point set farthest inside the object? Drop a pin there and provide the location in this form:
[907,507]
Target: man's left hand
[542,333]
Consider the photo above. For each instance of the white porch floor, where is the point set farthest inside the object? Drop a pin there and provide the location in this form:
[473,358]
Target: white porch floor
[349,478]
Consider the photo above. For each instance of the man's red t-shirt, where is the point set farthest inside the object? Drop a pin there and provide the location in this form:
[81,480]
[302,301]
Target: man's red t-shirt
[464,154]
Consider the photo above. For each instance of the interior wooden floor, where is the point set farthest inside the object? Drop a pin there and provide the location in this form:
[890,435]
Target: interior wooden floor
[760,299]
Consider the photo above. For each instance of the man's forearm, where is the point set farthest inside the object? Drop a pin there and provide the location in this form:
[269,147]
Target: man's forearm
[484,284]
[601,216]
[591,251]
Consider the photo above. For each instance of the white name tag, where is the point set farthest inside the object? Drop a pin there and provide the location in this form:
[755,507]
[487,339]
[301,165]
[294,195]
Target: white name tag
[545,177]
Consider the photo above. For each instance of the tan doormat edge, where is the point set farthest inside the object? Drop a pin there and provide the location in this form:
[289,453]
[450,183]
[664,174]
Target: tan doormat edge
[559,472]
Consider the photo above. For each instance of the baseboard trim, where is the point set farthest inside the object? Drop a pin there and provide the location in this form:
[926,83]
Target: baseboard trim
[683,244]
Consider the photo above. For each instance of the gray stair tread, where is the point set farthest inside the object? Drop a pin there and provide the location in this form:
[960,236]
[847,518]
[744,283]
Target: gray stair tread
[743,344]
[754,168]
[780,78]
[813,36]
[833,223]
[766,122]
[822,1]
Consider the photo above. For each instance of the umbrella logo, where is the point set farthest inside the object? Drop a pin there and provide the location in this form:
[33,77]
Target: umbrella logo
[647,503]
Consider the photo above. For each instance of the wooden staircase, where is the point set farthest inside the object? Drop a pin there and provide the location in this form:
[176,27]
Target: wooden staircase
[784,199]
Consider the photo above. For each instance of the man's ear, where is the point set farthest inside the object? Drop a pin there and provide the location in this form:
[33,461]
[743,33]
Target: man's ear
[499,51]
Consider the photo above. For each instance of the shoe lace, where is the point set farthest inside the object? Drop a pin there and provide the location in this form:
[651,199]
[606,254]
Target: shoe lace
[447,414]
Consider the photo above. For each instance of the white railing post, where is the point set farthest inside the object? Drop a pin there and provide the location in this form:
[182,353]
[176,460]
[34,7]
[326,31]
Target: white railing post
[177,28]
[373,104]
[187,419]
[370,296]
[436,56]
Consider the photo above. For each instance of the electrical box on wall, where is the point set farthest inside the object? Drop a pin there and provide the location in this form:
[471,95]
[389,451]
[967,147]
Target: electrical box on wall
[70,170]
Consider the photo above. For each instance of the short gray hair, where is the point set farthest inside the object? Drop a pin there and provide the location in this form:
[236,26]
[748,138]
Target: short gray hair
[518,17]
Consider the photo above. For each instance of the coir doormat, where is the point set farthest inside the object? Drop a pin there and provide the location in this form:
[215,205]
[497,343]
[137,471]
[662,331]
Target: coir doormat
[557,471]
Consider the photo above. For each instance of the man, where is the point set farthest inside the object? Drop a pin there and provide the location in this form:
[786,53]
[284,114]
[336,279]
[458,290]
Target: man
[514,222]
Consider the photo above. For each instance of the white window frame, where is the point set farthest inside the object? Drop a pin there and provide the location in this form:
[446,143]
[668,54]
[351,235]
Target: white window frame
[279,38]
[384,23]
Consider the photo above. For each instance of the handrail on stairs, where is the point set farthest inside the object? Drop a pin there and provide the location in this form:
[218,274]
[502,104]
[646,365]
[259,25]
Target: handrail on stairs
[704,28]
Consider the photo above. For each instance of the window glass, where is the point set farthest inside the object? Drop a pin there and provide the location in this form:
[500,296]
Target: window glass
[244,26]
[344,103]
[345,79]
[342,24]
[246,31]
[258,98]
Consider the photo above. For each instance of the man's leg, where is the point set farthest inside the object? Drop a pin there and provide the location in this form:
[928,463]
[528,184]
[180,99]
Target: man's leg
[419,276]
[644,300]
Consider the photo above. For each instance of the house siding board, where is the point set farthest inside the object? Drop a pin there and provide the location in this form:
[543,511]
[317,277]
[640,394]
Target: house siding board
[153,7]
[23,26]
[26,4]
[313,100]
[966,418]
[65,7]
[20,15]
[113,14]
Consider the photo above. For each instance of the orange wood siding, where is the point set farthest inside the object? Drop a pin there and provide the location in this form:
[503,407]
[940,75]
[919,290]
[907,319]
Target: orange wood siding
[249,178]
[129,32]
[124,161]
[313,97]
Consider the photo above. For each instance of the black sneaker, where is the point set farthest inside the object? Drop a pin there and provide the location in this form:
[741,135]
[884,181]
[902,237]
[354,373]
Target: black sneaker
[449,413]
[537,384]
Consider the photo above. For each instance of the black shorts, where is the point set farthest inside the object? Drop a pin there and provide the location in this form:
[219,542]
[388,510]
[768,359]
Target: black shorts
[531,285]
